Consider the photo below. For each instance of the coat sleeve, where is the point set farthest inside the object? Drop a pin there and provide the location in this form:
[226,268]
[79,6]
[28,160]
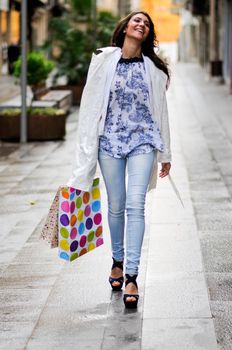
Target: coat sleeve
[165,156]
[86,150]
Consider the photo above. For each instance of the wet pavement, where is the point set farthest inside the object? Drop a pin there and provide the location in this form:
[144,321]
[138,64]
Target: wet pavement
[185,273]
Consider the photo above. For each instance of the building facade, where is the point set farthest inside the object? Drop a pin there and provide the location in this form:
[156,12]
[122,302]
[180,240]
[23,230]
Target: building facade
[211,37]
[39,12]
[118,7]
[165,15]
[108,5]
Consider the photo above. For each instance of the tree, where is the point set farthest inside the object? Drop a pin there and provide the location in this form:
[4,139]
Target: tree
[82,8]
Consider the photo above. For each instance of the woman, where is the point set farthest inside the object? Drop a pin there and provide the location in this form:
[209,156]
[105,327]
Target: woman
[123,123]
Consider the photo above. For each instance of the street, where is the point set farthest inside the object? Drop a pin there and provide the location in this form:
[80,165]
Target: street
[185,281]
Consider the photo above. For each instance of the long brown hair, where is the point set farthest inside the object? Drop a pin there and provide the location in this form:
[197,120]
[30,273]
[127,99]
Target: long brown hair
[148,44]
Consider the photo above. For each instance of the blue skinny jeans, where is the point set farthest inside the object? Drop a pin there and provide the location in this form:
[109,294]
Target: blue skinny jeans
[130,199]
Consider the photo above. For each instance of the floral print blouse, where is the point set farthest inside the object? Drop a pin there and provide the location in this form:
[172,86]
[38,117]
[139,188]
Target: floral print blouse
[129,126]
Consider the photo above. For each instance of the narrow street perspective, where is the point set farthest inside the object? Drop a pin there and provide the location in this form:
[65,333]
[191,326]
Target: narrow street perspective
[185,280]
[185,272]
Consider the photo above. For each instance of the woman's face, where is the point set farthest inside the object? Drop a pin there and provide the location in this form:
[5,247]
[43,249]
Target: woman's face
[138,27]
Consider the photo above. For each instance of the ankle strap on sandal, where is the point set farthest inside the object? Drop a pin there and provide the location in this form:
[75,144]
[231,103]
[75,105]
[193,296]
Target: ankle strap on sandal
[131,279]
[118,264]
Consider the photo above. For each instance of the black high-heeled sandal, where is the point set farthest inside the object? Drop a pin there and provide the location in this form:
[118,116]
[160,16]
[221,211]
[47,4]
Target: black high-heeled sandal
[131,304]
[120,280]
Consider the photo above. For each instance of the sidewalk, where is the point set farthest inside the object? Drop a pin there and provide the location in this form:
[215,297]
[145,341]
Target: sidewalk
[8,88]
[206,137]
[50,304]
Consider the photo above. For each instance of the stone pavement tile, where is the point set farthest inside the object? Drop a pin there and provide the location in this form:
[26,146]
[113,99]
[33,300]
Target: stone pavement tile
[31,218]
[202,170]
[24,289]
[3,266]
[209,192]
[176,295]
[129,342]
[207,183]
[210,177]
[181,334]
[165,190]
[3,165]
[34,183]
[9,179]
[219,207]
[228,179]
[30,277]
[8,222]
[19,168]
[21,305]
[221,312]
[37,152]
[123,327]
[168,194]
[67,342]
[13,336]
[183,231]
[7,148]
[219,286]
[7,254]
[21,151]
[216,250]
[75,312]
[14,237]
[30,248]
[216,222]
[170,210]
[223,151]
[46,171]
[225,165]
[38,252]
[173,252]
[15,203]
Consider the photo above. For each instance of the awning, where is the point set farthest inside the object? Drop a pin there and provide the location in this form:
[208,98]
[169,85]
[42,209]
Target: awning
[33,2]
[30,4]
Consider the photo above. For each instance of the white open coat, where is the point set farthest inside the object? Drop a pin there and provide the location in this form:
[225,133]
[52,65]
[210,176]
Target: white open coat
[93,110]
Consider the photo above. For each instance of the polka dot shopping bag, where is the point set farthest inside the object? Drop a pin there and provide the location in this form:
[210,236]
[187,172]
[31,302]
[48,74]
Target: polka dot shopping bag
[79,221]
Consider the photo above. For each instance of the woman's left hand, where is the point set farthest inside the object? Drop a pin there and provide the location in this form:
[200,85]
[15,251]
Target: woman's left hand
[165,169]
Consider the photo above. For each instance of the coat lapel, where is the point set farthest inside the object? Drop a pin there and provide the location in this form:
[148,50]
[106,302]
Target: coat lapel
[155,85]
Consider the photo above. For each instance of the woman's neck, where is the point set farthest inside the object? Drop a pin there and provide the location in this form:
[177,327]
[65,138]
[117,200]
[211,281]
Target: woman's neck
[131,49]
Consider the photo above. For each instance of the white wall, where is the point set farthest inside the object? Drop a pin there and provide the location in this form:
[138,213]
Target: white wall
[110,5]
[169,51]
[135,5]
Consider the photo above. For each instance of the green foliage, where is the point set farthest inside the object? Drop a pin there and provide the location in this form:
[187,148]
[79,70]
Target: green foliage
[82,7]
[38,68]
[74,50]
[12,112]
[106,23]
[75,45]
[47,111]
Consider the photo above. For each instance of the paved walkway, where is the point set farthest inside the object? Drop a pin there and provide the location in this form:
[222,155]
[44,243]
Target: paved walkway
[9,89]
[50,304]
[206,137]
